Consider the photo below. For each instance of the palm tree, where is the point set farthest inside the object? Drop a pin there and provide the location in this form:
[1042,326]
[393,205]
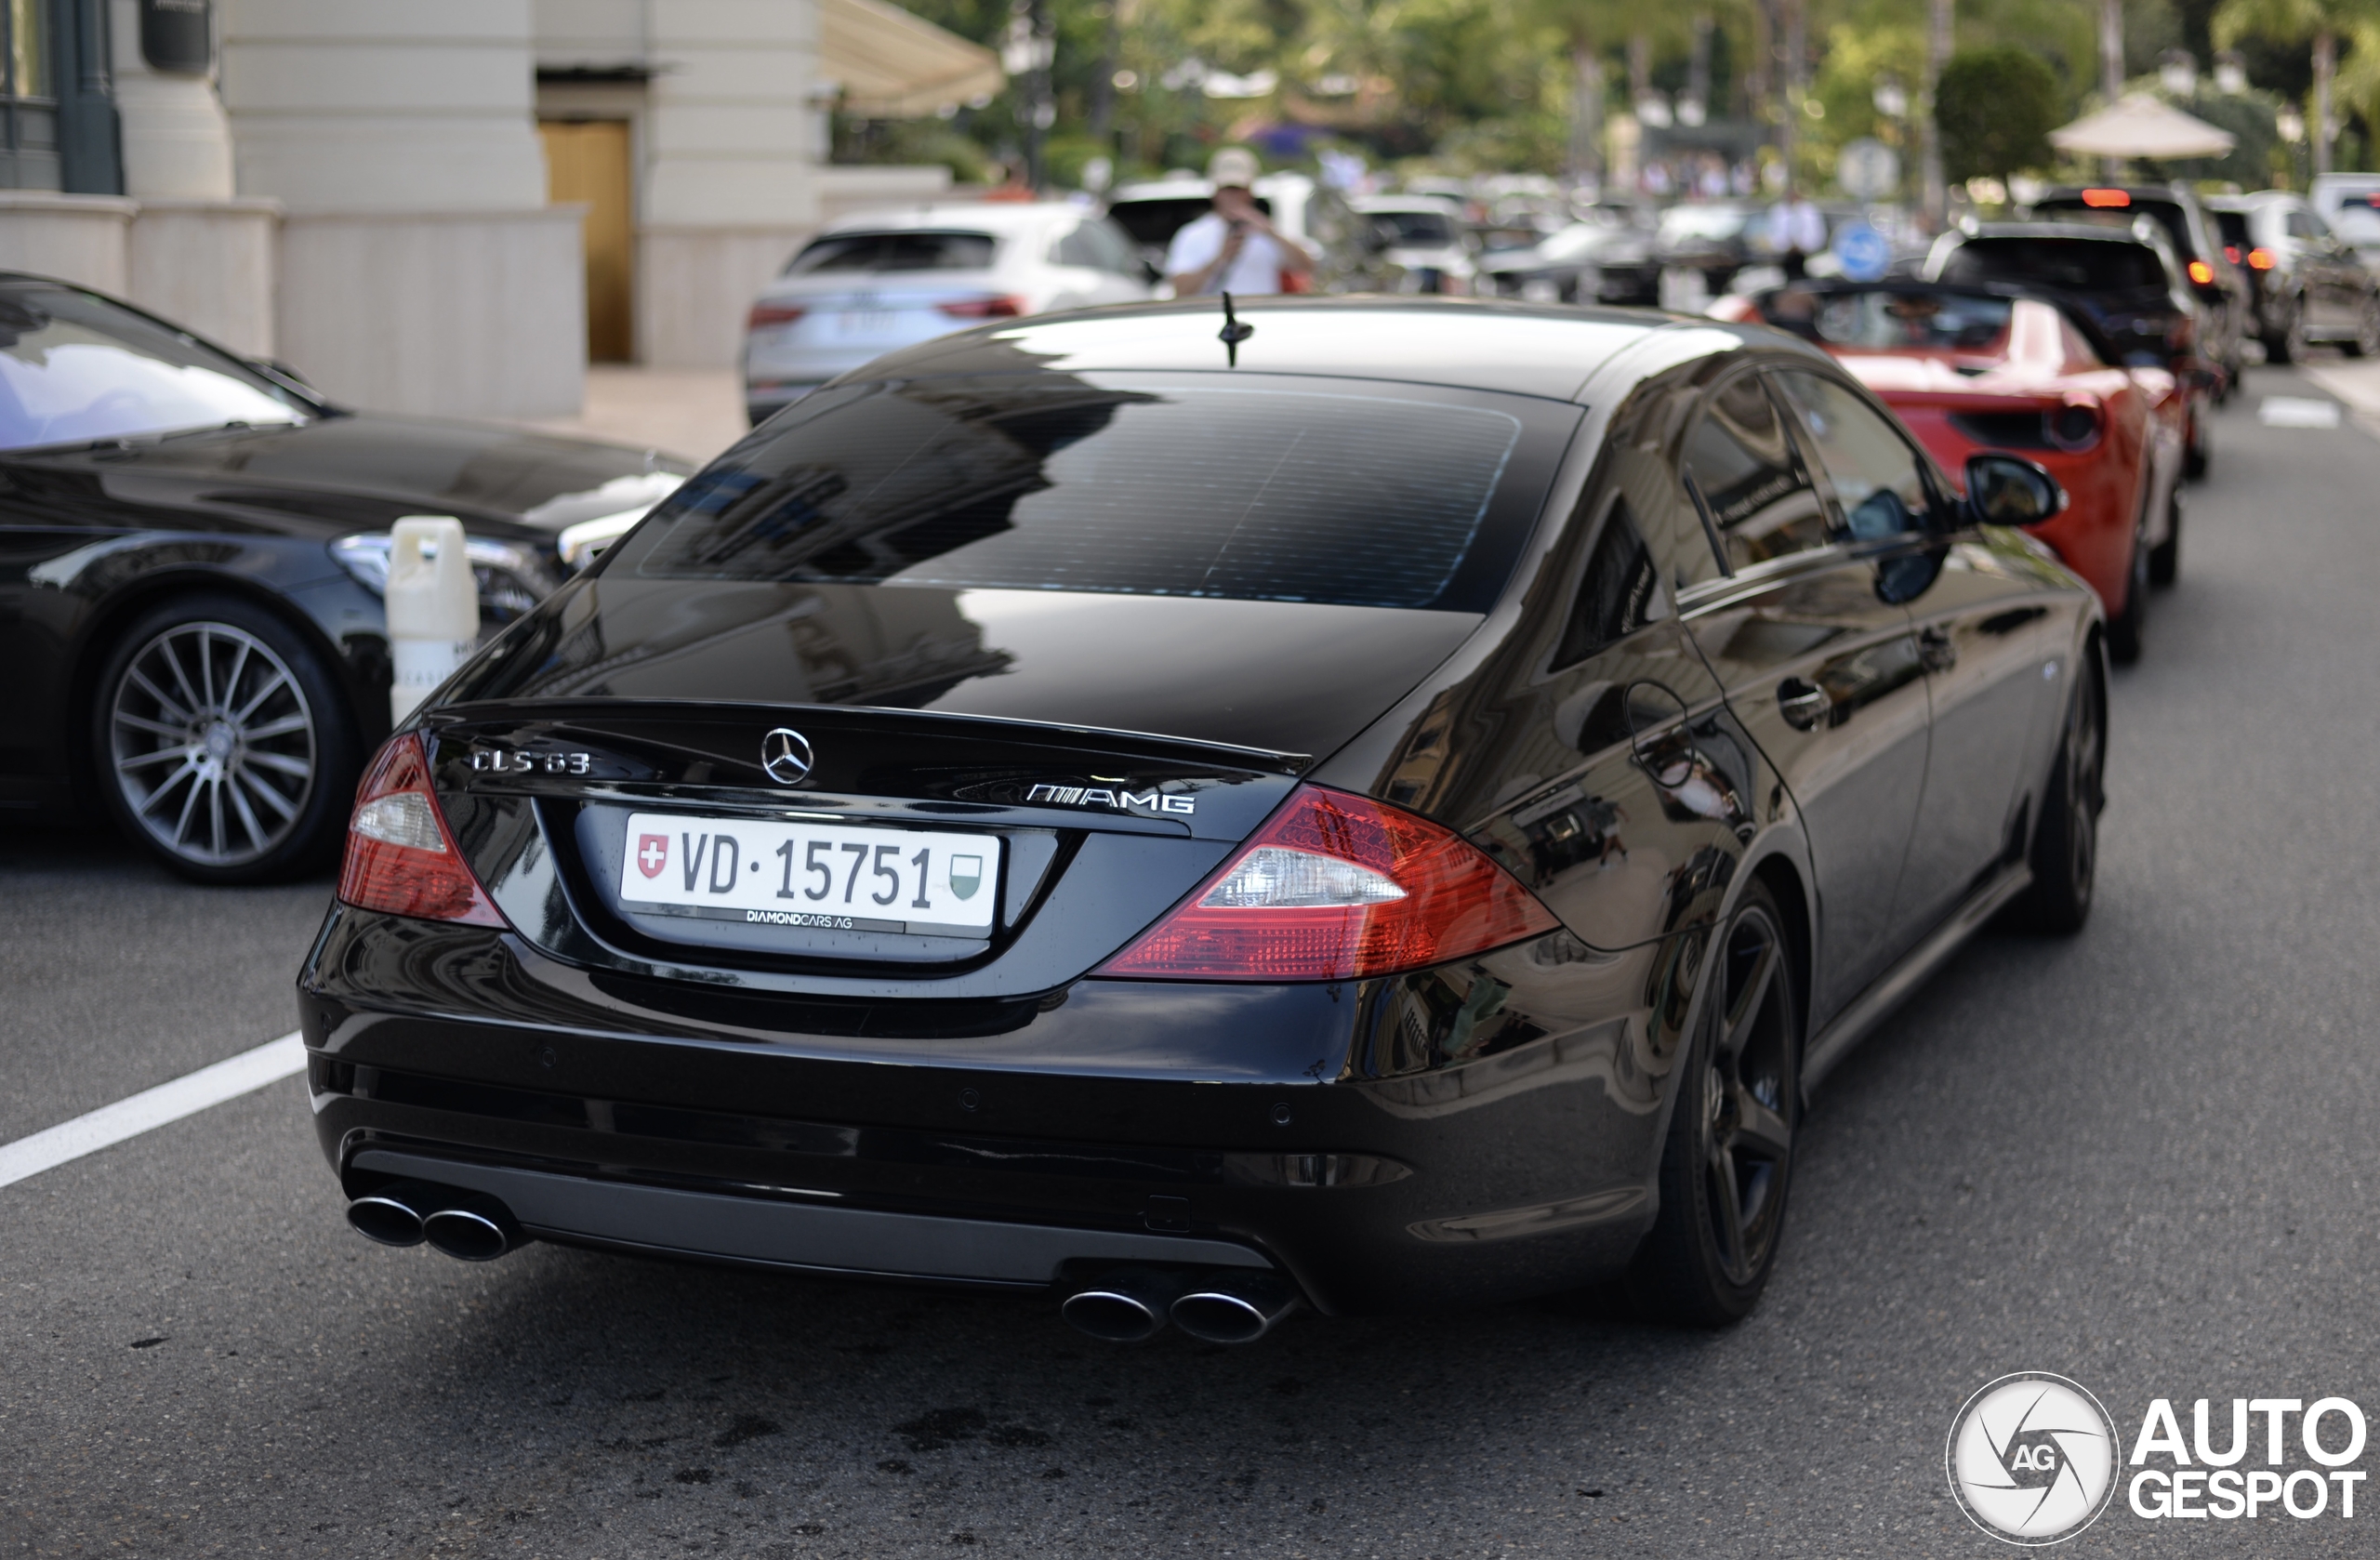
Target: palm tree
[2291,21]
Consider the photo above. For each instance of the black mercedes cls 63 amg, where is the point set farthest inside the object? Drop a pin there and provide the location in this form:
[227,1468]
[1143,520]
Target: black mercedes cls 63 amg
[1395,806]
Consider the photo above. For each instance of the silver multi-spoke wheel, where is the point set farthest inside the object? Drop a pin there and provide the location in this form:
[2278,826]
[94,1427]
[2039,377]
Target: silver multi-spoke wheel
[212,744]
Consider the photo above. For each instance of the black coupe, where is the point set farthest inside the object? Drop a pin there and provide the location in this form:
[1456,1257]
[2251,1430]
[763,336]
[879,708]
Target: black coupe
[191,553]
[1394,807]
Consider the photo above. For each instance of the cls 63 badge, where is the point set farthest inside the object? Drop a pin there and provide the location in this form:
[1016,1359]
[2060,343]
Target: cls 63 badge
[496,760]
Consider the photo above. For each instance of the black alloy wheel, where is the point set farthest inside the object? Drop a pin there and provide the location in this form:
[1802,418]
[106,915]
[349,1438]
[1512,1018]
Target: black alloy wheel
[1728,1160]
[2365,342]
[2066,847]
[2165,558]
[223,743]
[2287,344]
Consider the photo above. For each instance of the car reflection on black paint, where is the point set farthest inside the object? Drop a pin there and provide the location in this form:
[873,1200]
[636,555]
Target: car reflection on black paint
[1401,821]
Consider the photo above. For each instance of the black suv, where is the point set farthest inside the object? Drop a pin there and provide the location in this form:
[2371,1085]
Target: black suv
[2197,243]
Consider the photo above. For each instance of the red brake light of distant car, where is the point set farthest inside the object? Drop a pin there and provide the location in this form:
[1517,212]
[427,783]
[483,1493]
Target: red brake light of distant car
[2074,428]
[1337,887]
[399,857]
[2260,259]
[2104,199]
[2231,253]
[773,314]
[983,307]
[2202,274]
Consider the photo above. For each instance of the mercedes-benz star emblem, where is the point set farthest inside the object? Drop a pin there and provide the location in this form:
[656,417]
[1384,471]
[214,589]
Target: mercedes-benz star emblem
[785,754]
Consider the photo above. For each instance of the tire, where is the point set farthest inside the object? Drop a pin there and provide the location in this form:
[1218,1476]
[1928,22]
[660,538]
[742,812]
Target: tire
[2287,344]
[222,742]
[2165,558]
[2125,627]
[2197,451]
[1728,1162]
[2066,846]
[2365,342]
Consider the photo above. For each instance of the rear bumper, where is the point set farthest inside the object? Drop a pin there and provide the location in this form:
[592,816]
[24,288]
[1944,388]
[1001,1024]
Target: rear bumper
[1331,1134]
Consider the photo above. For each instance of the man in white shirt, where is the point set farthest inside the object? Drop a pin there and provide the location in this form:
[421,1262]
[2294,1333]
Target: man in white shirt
[1796,230]
[1233,247]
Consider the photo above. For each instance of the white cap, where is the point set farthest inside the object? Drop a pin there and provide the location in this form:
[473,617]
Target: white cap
[1234,167]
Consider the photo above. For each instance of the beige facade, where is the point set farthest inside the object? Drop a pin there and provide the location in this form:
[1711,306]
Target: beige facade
[360,190]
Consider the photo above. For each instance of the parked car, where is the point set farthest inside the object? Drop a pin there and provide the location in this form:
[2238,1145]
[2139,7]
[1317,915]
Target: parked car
[1717,238]
[1605,256]
[1425,237]
[2311,287]
[1400,823]
[1970,369]
[2130,282]
[2197,243]
[195,550]
[1347,253]
[2350,204]
[870,283]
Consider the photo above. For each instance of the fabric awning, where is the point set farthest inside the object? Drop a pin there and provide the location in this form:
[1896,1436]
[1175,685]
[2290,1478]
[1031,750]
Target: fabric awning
[892,65]
[2140,125]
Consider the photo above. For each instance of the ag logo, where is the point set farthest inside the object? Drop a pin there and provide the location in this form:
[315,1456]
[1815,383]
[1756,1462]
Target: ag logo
[2032,1459]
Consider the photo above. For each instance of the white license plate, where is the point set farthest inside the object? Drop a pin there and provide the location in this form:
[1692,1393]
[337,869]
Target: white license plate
[869,322]
[829,876]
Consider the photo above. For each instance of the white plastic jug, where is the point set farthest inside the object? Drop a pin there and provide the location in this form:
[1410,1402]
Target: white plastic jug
[433,607]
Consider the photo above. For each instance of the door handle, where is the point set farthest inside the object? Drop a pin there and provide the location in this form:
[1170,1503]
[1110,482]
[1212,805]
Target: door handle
[1804,705]
[1935,649]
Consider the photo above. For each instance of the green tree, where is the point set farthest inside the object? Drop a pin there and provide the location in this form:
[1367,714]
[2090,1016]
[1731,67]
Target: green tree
[2323,21]
[1995,108]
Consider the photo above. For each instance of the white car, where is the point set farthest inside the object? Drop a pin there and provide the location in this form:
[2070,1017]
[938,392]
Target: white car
[1426,235]
[1346,257]
[871,283]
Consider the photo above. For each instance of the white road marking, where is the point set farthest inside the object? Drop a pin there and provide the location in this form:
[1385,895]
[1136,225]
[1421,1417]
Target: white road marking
[2297,411]
[187,1095]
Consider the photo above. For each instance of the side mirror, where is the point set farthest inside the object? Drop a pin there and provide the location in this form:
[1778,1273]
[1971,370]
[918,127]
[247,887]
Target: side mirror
[2003,490]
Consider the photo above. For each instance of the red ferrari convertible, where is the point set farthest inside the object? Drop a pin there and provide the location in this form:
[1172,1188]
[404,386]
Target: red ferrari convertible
[1975,368]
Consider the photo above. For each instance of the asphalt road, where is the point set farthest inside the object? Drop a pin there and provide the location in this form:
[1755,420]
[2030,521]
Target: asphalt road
[2138,1158]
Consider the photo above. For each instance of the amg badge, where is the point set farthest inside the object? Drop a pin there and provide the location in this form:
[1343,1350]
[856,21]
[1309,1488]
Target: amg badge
[1123,801]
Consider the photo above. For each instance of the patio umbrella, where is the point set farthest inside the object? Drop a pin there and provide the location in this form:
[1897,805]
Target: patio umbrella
[2140,125]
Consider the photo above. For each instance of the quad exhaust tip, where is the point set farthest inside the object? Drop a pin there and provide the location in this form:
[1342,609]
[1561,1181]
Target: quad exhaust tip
[1132,1304]
[468,1226]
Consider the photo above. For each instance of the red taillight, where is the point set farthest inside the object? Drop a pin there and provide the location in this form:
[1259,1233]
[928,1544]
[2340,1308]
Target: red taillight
[2202,274]
[2231,253]
[2260,259]
[399,857]
[1001,308]
[1337,887]
[2106,199]
[773,314]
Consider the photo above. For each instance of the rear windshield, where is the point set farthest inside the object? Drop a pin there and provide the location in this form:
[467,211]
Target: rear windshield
[1892,321]
[1416,227]
[894,251]
[1269,489]
[1153,221]
[2066,208]
[2233,226]
[2082,265]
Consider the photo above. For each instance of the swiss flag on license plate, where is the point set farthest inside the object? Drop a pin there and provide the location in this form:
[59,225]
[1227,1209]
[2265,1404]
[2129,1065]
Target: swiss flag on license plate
[652,853]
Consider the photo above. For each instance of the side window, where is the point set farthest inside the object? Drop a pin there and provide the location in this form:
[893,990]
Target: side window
[1620,592]
[1750,478]
[1878,477]
[2316,228]
[2300,225]
[1114,251]
[1077,246]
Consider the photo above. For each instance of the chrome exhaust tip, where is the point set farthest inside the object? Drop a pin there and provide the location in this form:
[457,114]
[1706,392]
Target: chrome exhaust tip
[472,1228]
[395,1214]
[1233,1307]
[1124,1305]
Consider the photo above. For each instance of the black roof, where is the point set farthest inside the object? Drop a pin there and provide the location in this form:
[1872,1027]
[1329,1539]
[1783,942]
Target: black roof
[1543,350]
